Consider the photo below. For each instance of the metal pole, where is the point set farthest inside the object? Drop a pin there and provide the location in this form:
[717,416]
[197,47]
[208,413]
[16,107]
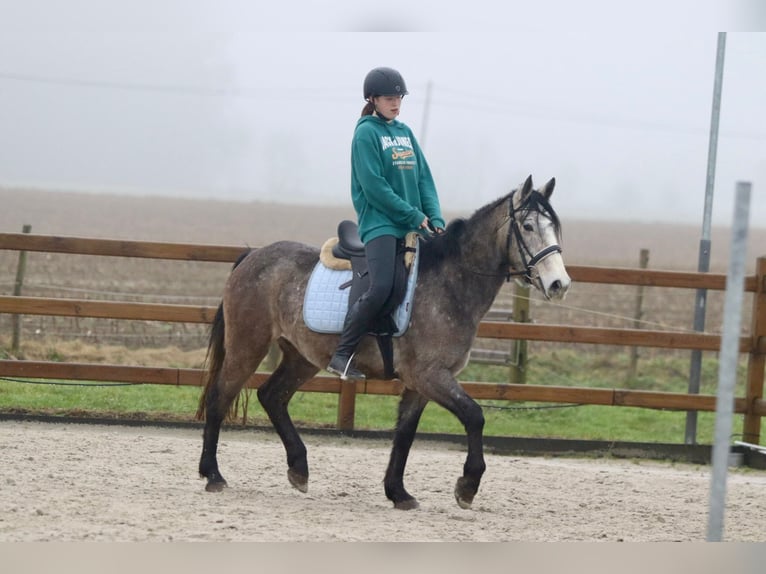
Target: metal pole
[426,111]
[700,302]
[727,366]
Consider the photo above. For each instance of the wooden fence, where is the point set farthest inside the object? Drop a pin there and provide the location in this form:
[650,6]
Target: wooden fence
[752,405]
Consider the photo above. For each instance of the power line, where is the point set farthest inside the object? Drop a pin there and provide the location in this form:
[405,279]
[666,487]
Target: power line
[502,106]
[135,86]
[219,92]
[465,101]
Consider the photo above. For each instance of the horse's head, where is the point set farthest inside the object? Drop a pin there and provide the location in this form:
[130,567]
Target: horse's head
[534,234]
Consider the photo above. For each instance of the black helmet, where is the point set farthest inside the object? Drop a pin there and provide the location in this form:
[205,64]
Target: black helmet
[384,82]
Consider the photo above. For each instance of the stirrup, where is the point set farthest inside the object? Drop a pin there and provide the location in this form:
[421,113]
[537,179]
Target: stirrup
[344,369]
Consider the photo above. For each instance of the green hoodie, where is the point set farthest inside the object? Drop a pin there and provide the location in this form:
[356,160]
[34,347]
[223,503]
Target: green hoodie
[391,184]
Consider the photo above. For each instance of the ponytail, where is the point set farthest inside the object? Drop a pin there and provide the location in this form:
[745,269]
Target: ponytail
[368,109]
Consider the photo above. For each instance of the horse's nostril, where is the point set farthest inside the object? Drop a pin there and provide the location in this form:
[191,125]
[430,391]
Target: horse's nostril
[555,286]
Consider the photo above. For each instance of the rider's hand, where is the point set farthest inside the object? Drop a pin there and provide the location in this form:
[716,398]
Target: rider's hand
[430,227]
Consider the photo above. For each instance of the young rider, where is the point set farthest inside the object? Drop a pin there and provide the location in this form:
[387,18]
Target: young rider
[393,194]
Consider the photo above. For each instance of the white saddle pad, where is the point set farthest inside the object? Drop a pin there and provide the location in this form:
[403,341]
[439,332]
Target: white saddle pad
[325,304]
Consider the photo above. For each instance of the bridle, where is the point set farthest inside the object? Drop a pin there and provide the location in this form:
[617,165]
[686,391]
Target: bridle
[528,260]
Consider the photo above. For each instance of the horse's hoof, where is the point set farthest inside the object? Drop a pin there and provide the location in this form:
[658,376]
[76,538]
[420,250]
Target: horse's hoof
[299,481]
[410,504]
[464,493]
[215,482]
[215,486]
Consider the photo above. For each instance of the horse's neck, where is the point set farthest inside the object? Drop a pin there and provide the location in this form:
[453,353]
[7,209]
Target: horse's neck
[483,282]
[475,277]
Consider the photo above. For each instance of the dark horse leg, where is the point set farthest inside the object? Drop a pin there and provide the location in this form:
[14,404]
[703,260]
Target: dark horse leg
[411,407]
[228,371]
[443,389]
[217,400]
[274,395]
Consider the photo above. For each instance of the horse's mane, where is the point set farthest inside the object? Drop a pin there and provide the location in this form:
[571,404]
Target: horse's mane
[437,248]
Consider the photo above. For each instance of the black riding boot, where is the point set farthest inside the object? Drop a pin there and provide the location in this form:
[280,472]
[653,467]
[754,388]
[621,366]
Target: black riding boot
[355,326]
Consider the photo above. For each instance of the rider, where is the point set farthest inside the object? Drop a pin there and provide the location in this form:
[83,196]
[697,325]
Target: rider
[393,194]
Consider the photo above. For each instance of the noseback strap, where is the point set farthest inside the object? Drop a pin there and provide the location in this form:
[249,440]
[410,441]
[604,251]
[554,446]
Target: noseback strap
[543,253]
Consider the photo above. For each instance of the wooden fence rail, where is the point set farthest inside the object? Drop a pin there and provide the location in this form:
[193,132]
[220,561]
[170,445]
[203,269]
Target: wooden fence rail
[752,405]
[323,384]
[487,329]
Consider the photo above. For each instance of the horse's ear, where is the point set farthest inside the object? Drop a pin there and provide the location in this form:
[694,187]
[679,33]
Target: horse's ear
[527,187]
[547,189]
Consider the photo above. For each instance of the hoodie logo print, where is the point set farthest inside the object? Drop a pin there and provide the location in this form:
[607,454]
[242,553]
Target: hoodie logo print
[401,153]
[401,141]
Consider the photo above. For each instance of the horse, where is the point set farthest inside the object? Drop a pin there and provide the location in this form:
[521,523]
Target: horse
[461,272]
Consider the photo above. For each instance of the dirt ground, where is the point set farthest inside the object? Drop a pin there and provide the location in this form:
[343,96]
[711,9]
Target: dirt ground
[74,482]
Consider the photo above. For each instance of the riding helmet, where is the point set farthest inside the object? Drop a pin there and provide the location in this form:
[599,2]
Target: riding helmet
[384,82]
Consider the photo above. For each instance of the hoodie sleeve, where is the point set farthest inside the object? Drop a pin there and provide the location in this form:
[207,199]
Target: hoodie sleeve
[428,196]
[377,191]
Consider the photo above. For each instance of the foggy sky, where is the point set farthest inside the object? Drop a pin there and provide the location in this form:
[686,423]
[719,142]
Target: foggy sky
[222,100]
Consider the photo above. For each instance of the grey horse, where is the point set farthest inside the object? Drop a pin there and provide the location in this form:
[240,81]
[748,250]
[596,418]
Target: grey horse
[460,273]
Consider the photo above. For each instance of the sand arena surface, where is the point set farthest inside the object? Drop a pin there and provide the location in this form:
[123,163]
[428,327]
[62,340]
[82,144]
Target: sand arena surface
[74,482]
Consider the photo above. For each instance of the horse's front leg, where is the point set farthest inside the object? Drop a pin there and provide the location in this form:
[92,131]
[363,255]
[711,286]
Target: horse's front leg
[411,407]
[468,485]
[447,392]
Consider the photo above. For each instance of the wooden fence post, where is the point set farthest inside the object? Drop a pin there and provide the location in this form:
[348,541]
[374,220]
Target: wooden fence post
[346,405]
[637,316]
[757,358]
[20,271]
[518,368]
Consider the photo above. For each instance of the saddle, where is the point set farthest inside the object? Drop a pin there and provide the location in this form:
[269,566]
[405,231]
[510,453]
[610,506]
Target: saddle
[346,251]
[338,252]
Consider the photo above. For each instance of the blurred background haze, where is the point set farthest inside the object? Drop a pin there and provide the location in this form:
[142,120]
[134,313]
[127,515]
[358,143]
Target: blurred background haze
[254,101]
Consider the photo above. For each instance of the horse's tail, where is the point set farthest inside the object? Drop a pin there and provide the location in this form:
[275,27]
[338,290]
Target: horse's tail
[213,360]
[216,351]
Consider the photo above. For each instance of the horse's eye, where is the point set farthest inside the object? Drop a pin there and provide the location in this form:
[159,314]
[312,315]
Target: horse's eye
[528,227]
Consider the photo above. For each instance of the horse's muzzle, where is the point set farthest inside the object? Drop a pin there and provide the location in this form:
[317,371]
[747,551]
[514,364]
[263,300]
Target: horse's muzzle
[557,289]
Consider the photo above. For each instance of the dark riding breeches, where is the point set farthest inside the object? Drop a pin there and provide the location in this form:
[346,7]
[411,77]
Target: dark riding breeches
[381,254]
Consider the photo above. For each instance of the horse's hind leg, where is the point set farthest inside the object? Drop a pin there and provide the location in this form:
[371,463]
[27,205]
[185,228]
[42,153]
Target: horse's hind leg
[274,395]
[411,408]
[223,390]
